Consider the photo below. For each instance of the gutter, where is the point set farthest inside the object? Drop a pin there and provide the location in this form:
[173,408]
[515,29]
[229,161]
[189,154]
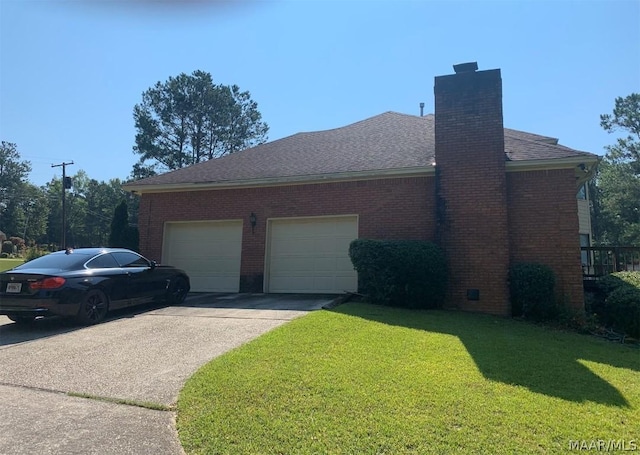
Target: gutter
[417,171]
[587,165]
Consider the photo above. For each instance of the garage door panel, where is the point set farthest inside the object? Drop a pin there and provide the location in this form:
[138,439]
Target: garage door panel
[312,255]
[208,251]
[293,246]
[344,265]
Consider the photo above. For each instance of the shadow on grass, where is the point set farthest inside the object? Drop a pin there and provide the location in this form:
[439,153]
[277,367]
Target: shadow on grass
[514,352]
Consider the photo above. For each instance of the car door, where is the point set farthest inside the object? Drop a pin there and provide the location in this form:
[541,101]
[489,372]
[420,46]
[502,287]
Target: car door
[106,272]
[143,285]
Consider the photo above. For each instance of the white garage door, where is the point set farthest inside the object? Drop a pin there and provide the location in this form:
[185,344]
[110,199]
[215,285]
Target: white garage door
[208,251]
[311,255]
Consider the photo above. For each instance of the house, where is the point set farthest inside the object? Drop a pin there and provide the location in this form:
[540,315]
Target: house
[279,217]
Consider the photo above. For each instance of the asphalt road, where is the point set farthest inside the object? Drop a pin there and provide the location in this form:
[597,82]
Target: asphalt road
[48,369]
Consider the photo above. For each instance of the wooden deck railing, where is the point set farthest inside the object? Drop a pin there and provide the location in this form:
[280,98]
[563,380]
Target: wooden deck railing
[598,261]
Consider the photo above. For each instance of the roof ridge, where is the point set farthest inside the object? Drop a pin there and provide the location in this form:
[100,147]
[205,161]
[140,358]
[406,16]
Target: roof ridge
[530,135]
[368,119]
[545,144]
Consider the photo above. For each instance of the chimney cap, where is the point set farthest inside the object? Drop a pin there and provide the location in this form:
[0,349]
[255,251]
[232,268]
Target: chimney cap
[465,67]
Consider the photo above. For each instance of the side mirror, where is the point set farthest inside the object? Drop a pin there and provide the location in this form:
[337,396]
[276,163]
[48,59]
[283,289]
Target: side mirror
[153,264]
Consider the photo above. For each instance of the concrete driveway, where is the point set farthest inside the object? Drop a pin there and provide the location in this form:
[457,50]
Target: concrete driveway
[66,389]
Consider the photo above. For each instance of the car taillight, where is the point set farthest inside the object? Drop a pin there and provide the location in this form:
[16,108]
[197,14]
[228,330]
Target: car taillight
[48,283]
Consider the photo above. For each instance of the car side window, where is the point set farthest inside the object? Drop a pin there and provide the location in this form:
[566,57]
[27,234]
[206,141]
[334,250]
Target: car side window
[104,261]
[126,259]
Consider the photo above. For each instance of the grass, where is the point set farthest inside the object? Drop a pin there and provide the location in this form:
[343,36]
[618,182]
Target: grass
[375,380]
[6,264]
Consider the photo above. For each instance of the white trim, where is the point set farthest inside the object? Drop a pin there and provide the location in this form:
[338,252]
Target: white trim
[418,171]
[561,163]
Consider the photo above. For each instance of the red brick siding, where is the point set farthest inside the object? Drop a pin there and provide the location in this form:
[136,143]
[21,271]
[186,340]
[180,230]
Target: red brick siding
[400,208]
[543,227]
[473,223]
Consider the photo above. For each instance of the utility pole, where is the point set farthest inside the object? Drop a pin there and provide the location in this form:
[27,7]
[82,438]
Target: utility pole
[65,184]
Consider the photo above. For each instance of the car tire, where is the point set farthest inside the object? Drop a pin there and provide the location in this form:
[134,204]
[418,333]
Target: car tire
[93,308]
[22,320]
[177,291]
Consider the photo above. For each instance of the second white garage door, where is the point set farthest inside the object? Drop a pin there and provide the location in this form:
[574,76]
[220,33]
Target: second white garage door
[311,255]
[209,251]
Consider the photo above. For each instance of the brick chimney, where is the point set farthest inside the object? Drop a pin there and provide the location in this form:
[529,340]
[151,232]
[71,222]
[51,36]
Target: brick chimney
[472,188]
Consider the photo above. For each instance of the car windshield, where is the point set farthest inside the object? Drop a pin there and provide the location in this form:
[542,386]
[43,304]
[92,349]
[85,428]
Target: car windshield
[58,261]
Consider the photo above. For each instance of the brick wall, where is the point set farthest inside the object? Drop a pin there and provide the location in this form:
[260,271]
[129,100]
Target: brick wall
[472,190]
[400,208]
[543,227]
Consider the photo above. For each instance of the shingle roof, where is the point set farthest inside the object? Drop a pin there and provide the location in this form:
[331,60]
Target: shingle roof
[386,142]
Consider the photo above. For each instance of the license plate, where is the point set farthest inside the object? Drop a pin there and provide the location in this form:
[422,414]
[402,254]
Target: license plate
[14,288]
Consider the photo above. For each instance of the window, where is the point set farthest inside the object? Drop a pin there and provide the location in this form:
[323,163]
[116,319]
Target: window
[104,261]
[584,255]
[126,259]
[582,193]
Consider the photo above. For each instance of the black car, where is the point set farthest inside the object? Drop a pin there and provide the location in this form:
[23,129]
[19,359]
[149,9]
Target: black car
[86,283]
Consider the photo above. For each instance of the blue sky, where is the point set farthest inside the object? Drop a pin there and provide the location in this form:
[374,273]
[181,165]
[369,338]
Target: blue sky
[72,71]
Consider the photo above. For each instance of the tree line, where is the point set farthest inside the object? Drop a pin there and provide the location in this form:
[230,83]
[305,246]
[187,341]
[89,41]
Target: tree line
[34,213]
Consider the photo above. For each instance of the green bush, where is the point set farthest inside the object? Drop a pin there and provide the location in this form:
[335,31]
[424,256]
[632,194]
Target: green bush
[406,273]
[4,255]
[617,302]
[33,253]
[532,291]
[607,284]
[8,247]
[622,309]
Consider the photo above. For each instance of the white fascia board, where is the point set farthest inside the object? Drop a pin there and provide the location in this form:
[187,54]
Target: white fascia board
[588,163]
[560,163]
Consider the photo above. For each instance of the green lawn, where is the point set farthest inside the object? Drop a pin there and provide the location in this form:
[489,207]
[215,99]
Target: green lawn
[6,264]
[375,380]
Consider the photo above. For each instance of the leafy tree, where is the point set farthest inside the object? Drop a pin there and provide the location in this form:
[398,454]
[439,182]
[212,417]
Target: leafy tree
[122,235]
[102,199]
[31,215]
[617,193]
[626,117]
[189,119]
[13,181]
[90,207]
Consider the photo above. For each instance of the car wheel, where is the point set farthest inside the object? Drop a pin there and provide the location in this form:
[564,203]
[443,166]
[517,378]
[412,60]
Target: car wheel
[22,320]
[93,308]
[177,291]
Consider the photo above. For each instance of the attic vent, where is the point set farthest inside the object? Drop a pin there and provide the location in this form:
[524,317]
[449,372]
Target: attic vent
[466,67]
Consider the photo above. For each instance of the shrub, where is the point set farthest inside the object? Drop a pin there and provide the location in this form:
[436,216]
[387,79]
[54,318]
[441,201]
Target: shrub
[617,302]
[407,273]
[8,247]
[622,309]
[609,283]
[17,241]
[33,253]
[4,255]
[531,287]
